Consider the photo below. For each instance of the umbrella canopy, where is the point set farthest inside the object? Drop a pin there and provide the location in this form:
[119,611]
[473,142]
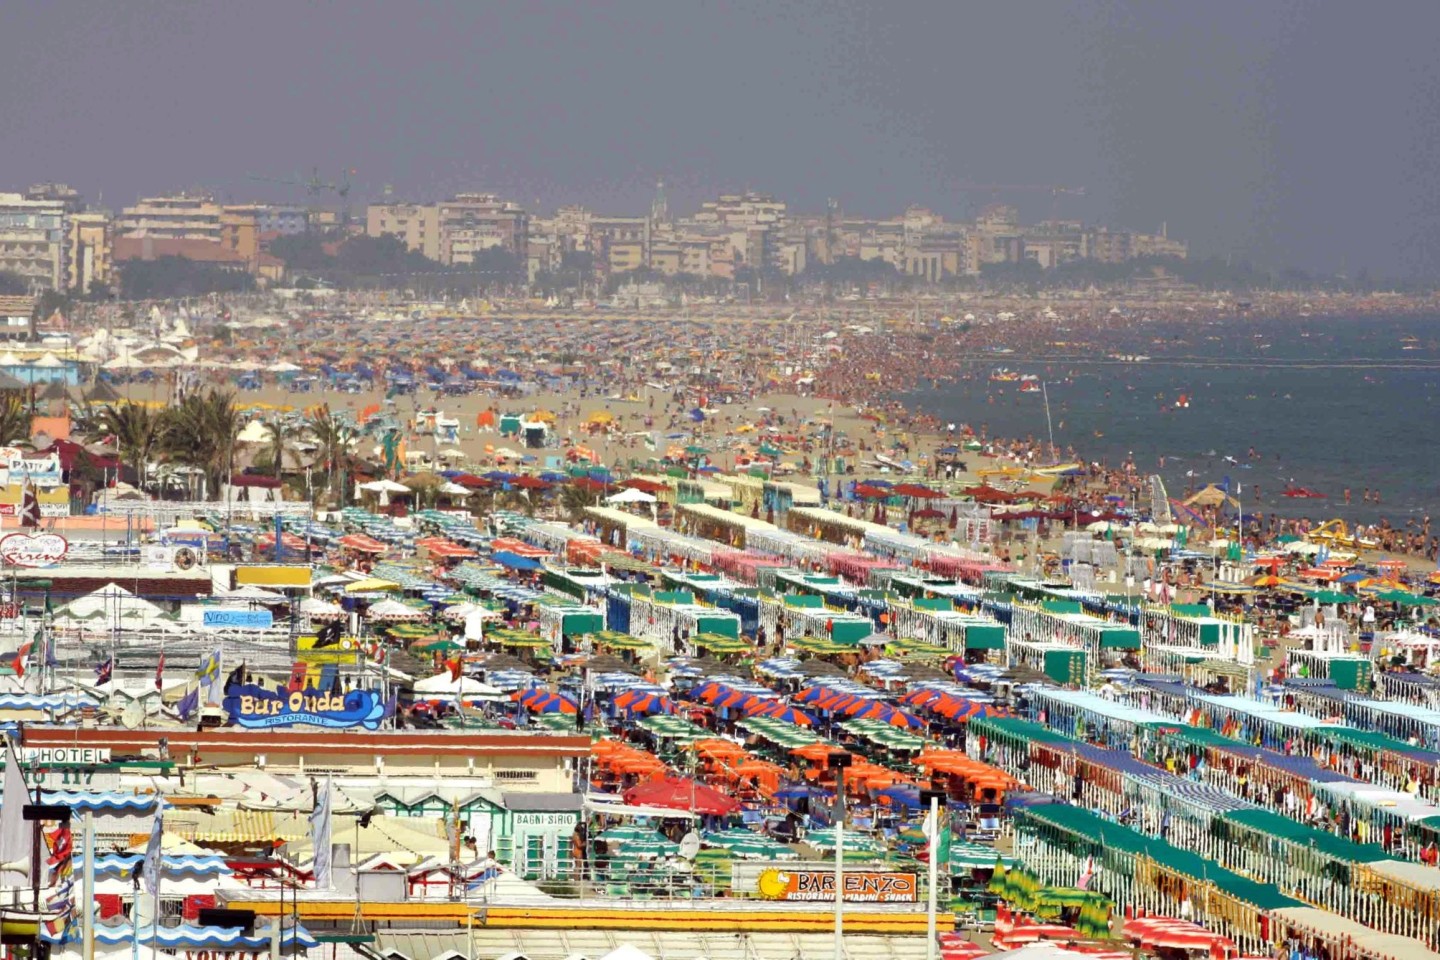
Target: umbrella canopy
[681,794]
[631,495]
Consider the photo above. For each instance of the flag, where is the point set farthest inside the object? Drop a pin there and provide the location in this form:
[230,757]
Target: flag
[189,703]
[160,671]
[21,655]
[14,831]
[209,670]
[1087,873]
[299,672]
[320,837]
[210,679]
[29,508]
[104,671]
[150,865]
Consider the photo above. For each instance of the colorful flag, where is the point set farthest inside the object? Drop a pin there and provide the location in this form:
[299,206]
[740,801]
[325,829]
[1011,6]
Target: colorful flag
[21,655]
[189,703]
[160,671]
[104,671]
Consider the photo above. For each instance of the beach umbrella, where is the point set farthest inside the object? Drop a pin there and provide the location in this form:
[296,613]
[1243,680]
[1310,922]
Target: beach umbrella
[541,700]
[682,794]
[789,714]
[640,702]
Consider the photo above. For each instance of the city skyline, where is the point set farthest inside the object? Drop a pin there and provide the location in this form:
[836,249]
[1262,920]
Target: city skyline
[1287,134]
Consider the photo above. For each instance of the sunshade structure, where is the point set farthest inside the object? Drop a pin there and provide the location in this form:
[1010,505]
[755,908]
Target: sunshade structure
[1134,869]
[540,700]
[514,561]
[361,543]
[623,759]
[643,703]
[747,844]
[682,794]
[393,611]
[669,727]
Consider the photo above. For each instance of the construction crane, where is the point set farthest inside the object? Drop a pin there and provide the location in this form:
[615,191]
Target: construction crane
[995,189]
[315,185]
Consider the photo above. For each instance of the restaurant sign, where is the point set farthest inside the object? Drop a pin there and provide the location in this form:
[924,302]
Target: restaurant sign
[33,550]
[863,886]
[255,707]
[238,619]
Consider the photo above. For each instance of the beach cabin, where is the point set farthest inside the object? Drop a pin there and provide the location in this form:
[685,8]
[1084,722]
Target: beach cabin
[561,621]
[612,526]
[1346,671]
[1063,622]
[935,620]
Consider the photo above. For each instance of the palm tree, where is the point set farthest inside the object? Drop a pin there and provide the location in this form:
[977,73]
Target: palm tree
[136,430]
[15,420]
[201,431]
[574,500]
[334,438]
[281,444]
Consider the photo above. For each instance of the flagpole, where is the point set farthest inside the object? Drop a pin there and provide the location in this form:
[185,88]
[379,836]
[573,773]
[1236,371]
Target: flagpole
[159,876]
[931,907]
[87,890]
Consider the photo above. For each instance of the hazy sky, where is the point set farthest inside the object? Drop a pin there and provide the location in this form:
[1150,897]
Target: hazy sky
[1293,133]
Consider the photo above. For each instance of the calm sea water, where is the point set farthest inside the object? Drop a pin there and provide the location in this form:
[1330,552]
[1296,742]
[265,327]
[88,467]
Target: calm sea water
[1325,403]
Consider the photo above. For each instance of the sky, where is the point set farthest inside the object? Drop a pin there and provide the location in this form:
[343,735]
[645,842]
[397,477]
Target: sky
[1299,134]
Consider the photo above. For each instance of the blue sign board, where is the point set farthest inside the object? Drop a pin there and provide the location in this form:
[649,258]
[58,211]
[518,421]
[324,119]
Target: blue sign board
[257,708]
[239,619]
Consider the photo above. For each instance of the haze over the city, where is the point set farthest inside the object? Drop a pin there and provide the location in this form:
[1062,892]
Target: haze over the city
[1288,133]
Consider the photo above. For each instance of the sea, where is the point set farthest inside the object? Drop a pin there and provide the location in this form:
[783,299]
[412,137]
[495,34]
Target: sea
[1322,403]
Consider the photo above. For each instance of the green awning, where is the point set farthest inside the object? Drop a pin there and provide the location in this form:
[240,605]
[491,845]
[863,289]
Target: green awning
[1293,831]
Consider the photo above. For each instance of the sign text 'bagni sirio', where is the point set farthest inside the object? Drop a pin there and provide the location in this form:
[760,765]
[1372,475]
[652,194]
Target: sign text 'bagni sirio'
[255,707]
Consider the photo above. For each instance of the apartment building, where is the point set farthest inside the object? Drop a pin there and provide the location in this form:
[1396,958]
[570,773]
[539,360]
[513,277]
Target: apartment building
[32,240]
[89,250]
[179,217]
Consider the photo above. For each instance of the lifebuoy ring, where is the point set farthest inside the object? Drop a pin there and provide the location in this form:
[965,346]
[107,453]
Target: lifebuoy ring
[185,559]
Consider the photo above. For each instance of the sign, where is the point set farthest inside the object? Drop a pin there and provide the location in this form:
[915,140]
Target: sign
[281,575]
[64,756]
[46,509]
[33,550]
[256,708]
[158,557]
[544,819]
[41,471]
[237,620]
[863,886]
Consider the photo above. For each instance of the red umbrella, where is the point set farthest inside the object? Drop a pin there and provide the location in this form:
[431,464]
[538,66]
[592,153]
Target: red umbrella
[916,490]
[529,483]
[677,794]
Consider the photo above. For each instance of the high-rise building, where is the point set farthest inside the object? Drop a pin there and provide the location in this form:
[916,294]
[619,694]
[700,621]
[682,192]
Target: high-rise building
[32,240]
